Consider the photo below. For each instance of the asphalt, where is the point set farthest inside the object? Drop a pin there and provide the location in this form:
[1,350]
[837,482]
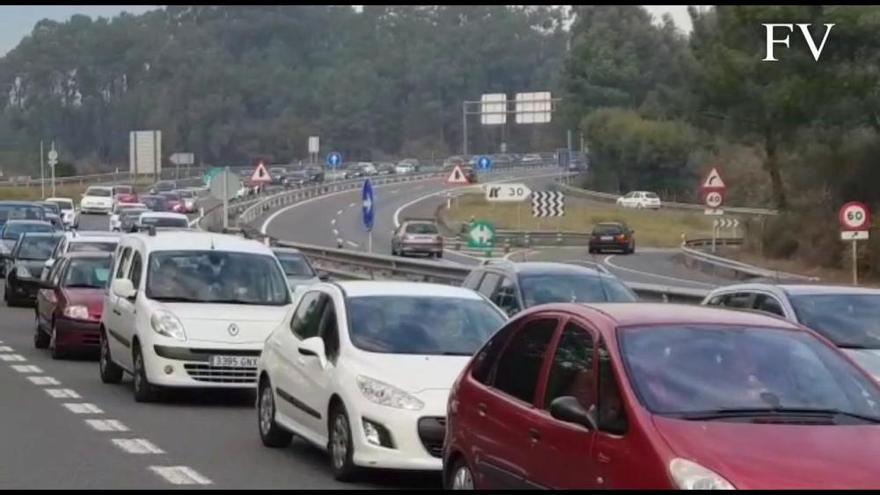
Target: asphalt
[206,439]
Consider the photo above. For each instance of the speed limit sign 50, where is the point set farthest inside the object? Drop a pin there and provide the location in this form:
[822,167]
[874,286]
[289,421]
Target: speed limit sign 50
[854,216]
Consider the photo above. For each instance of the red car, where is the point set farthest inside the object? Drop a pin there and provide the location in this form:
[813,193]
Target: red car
[69,303]
[173,201]
[660,396]
[124,194]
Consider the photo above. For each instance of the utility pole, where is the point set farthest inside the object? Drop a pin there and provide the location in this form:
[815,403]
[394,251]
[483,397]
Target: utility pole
[42,174]
[464,134]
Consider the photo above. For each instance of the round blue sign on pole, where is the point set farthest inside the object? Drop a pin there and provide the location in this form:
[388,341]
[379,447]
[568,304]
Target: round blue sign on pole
[334,159]
[367,205]
[484,163]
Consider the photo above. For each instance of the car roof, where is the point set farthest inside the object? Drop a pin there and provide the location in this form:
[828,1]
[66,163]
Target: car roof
[542,267]
[17,203]
[54,233]
[94,238]
[286,250]
[611,224]
[646,313]
[163,214]
[91,233]
[86,254]
[58,198]
[196,240]
[798,289]
[28,222]
[99,187]
[361,288]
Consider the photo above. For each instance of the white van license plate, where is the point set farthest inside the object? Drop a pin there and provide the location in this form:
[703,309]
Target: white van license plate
[234,361]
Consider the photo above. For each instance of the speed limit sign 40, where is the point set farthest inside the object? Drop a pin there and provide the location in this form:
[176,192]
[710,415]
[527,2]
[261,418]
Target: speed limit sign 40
[854,216]
[714,199]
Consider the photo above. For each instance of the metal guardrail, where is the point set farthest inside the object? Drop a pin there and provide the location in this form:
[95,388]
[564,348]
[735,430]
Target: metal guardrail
[106,178]
[718,265]
[609,197]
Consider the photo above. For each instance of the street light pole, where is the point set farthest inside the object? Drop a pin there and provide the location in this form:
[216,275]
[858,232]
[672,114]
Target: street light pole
[42,174]
[464,134]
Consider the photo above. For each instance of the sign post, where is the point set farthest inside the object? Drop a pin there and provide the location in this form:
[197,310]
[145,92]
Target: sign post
[855,220]
[225,198]
[713,191]
[367,208]
[314,147]
[53,160]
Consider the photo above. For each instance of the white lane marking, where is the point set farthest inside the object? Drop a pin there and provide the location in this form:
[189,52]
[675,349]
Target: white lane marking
[335,232]
[62,393]
[83,408]
[106,425]
[180,475]
[395,191]
[608,262]
[12,357]
[43,380]
[137,446]
[333,222]
[350,205]
[26,368]
[5,348]
[272,217]
[339,212]
[352,244]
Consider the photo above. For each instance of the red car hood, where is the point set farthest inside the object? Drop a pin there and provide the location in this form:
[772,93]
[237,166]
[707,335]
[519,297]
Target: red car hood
[90,298]
[126,198]
[774,456]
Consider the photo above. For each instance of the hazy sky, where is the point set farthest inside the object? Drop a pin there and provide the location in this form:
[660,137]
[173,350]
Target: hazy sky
[17,21]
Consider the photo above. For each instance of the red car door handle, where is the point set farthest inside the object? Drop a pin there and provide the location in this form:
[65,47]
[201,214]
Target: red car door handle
[481,409]
[603,458]
[534,435]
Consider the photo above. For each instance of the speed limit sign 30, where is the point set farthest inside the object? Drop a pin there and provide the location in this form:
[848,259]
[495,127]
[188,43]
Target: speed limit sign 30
[854,216]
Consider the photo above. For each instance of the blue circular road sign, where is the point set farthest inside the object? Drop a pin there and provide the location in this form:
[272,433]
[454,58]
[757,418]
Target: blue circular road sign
[334,159]
[485,163]
[367,205]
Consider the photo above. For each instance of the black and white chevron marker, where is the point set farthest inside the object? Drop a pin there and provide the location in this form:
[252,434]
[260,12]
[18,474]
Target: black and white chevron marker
[726,223]
[548,204]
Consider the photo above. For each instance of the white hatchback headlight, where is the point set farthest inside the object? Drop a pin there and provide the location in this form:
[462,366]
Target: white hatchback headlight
[165,323]
[689,475]
[22,272]
[387,395]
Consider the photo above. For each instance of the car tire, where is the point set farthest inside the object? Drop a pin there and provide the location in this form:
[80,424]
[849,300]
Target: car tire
[56,352]
[439,255]
[340,446]
[144,391]
[110,371]
[41,340]
[271,434]
[460,477]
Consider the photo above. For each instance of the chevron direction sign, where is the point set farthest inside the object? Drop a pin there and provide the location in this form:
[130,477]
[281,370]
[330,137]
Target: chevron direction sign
[726,223]
[548,204]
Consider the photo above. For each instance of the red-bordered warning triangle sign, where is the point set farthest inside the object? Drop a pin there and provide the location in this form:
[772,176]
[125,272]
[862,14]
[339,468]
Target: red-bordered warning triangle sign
[457,176]
[714,180]
[261,174]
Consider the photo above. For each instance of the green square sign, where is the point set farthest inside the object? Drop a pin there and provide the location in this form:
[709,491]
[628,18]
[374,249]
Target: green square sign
[481,234]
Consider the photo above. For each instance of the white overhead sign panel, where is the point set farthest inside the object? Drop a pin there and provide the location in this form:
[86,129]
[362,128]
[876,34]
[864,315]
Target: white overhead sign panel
[533,108]
[314,144]
[493,109]
[145,152]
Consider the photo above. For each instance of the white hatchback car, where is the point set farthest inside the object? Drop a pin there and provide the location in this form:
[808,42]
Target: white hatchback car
[363,369]
[115,224]
[640,199]
[68,210]
[162,220]
[97,199]
[189,309]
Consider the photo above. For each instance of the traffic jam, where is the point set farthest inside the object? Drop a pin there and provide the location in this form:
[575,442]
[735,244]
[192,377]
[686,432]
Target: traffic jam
[528,375]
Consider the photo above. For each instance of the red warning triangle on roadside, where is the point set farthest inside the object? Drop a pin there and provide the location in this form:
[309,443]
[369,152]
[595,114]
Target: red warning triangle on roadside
[261,174]
[457,176]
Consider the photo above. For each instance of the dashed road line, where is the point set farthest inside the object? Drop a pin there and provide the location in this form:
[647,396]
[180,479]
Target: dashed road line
[5,348]
[333,222]
[26,368]
[62,393]
[12,357]
[43,380]
[339,212]
[83,408]
[335,232]
[106,425]
[350,205]
[137,446]
[180,475]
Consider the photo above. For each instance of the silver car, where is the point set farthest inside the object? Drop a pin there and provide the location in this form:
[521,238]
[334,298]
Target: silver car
[847,316]
[296,267]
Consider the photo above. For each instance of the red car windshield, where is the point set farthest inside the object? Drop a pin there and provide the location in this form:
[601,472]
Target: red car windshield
[698,372]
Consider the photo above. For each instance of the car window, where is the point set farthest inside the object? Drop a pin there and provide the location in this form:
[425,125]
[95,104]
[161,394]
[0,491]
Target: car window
[545,288]
[295,265]
[35,248]
[848,320]
[519,366]
[702,369]
[57,271]
[488,284]
[93,247]
[421,228]
[14,230]
[738,300]
[98,192]
[571,372]
[134,273]
[91,273]
[304,323]
[328,330]
[768,304]
[126,253]
[607,230]
[611,415]
[715,300]
[472,281]
[505,296]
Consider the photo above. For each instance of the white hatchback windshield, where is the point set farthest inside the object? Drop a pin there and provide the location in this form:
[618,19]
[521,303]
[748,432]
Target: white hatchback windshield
[220,277]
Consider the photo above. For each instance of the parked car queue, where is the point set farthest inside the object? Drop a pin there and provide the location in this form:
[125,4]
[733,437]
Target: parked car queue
[405,375]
